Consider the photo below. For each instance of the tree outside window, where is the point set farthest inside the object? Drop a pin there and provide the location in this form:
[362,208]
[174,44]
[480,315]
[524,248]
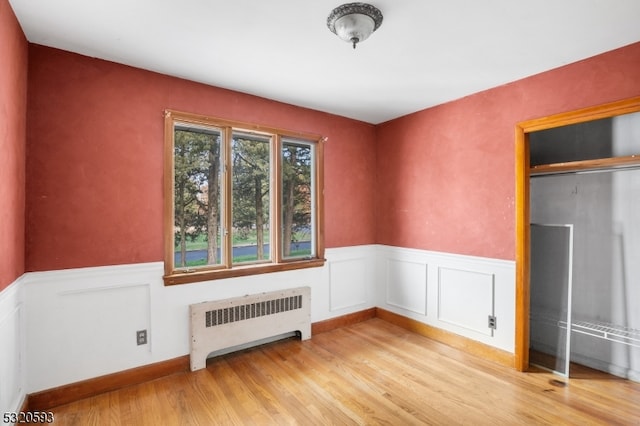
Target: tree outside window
[240,199]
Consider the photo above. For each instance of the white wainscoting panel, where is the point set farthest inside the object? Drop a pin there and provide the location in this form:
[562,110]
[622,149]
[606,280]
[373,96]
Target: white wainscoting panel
[406,285]
[81,323]
[474,290]
[84,322]
[12,347]
[453,292]
[348,283]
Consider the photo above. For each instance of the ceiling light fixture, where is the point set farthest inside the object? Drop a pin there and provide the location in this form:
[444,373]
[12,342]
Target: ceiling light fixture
[354,22]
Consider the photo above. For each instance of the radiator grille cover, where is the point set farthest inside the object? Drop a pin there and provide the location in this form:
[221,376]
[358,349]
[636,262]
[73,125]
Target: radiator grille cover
[252,310]
[224,324]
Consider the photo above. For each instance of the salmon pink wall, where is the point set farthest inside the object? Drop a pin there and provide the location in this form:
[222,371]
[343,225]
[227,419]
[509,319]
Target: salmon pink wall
[13,110]
[95,150]
[441,179]
[446,174]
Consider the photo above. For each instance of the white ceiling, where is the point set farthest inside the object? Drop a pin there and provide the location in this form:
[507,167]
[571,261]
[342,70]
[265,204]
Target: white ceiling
[426,52]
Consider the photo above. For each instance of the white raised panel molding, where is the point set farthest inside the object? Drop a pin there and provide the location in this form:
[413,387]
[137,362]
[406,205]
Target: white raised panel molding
[412,286]
[12,348]
[84,322]
[406,285]
[81,323]
[348,283]
[466,299]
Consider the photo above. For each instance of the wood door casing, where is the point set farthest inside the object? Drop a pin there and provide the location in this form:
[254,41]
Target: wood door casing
[522,173]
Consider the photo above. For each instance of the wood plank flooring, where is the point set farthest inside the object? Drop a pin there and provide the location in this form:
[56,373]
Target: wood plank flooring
[369,373]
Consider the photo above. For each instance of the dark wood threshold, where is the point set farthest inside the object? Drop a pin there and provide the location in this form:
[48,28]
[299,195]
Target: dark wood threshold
[48,399]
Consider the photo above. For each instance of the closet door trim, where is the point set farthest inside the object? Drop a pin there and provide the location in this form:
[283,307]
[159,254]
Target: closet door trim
[523,237]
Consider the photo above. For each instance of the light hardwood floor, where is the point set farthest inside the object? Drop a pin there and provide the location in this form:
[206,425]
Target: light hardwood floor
[372,372]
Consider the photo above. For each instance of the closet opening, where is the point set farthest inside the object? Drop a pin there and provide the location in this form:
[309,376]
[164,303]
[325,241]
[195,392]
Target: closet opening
[578,240]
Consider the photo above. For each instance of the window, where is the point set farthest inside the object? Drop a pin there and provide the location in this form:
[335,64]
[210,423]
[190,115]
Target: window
[240,199]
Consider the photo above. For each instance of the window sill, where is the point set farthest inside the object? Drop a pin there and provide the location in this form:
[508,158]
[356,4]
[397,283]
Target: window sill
[239,271]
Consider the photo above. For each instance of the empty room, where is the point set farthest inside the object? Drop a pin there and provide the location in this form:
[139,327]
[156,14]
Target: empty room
[287,212]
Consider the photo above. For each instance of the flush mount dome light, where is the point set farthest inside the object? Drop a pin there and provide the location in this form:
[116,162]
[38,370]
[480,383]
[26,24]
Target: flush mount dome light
[354,22]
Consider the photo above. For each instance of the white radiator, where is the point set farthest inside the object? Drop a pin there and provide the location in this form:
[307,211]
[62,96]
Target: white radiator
[223,324]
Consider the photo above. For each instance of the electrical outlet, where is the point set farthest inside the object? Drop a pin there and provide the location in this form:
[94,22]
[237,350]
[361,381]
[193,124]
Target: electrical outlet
[493,322]
[141,337]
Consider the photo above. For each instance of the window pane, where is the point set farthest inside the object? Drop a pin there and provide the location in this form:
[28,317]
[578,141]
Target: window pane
[233,191]
[297,199]
[250,209]
[197,180]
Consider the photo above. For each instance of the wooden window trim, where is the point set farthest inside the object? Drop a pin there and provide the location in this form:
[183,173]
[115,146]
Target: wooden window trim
[523,173]
[227,270]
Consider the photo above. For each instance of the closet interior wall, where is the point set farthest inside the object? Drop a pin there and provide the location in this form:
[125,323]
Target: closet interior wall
[603,207]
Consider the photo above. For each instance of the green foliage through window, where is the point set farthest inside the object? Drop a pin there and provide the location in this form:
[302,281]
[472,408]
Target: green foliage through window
[240,196]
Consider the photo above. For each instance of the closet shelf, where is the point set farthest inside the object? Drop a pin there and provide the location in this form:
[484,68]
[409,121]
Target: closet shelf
[586,165]
[612,332]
